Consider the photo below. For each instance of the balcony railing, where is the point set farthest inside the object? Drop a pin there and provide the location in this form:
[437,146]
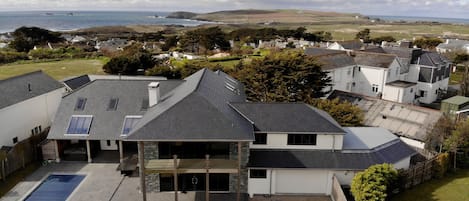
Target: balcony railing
[191,166]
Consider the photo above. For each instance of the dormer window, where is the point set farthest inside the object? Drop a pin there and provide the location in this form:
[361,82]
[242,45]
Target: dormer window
[302,139]
[80,105]
[113,104]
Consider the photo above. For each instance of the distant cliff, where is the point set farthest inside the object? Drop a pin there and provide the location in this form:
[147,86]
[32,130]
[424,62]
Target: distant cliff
[182,15]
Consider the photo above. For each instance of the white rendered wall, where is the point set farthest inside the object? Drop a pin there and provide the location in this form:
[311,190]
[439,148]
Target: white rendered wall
[345,176]
[366,77]
[335,46]
[279,141]
[260,186]
[342,78]
[398,94]
[18,120]
[302,182]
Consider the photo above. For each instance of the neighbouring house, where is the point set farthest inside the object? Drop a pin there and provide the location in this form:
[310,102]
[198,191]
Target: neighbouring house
[455,107]
[113,44]
[453,45]
[404,75]
[346,45]
[201,132]
[411,123]
[28,104]
[76,82]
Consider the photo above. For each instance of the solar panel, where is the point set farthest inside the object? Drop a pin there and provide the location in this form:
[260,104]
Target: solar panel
[80,125]
[129,123]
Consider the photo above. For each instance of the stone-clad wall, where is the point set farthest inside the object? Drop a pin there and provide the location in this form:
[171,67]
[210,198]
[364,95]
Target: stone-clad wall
[244,170]
[152,180]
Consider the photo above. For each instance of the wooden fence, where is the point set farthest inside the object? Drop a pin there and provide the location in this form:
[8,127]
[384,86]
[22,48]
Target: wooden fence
[20,155]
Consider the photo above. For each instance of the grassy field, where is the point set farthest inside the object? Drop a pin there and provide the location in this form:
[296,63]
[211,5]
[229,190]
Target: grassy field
[455,187]
[57,69]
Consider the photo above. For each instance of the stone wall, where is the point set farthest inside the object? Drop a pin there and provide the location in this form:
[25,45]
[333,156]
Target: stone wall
[244,170]
[152,180]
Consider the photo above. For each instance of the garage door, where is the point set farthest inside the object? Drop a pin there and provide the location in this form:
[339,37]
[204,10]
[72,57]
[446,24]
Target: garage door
[301,181]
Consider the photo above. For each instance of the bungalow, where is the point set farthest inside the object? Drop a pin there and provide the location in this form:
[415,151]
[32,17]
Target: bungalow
[28,104]
[200,134]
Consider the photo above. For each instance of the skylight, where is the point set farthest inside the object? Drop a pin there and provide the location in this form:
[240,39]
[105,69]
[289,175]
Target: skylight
[80,125]
[80,105]
[113,104]
[129,124]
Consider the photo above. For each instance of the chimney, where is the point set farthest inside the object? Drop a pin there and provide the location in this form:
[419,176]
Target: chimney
[153,94]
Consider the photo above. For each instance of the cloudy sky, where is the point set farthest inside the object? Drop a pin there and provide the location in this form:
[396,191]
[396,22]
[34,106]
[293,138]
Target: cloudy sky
[432,8]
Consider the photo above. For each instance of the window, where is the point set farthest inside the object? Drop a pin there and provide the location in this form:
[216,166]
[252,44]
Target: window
[80,124]
[40,129]
[261,138]
[349,71]
[374,88]
[145,103]
[411,90]
[80,106]
[301,139]
[15,140]
[36,130]
[32,132]
[112,104]
[422,93]
[258,174]
[108,142]
[129,123]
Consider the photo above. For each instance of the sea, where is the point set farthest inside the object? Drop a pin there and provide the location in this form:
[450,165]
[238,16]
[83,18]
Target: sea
[68,20]
[424,19]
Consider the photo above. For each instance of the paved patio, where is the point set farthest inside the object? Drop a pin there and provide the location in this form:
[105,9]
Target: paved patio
[103,182]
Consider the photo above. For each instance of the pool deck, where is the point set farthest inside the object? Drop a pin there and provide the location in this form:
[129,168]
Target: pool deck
[103,182]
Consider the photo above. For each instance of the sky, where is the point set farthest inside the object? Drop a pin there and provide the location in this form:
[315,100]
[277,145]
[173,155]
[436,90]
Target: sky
[424,8]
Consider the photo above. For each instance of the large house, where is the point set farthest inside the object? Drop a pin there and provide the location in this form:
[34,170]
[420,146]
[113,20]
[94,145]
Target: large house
[200,134]
[404,75]
[453,45]
[28,104]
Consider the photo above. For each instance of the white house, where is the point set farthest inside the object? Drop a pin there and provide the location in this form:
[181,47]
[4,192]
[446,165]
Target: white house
[295,157]
[28,104]
[452,45]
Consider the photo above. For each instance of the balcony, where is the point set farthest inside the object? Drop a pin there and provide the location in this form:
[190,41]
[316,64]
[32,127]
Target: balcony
[191,166]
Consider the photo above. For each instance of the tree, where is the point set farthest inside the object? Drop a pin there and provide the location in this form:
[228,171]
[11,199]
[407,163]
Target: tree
[427,43]
[283,77]
[343,112]
[170,42]
[440,131]
[122,65]
[207,38]
[364,35]
[459,140]
[374,183]
[27,37]
[380,39]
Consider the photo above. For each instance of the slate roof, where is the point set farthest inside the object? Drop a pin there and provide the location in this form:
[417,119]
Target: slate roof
[453,44]
[431,59]
[330,59]
[313,51]
[326,159]
[78,81]
[20,88]
[351,44]
[405,120]
[288,118]
[374,59]
[197,110]
[106,125]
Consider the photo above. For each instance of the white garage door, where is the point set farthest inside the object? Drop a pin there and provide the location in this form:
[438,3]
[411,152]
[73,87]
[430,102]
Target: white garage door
[301,181]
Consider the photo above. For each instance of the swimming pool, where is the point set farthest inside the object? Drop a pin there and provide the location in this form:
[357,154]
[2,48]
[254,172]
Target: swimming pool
[56,187]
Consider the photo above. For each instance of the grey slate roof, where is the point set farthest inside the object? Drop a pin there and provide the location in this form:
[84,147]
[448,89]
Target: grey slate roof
[326,159]
[106,125]
[431,59]
[314,51]
[351,44]
[14,90]
[453,44]
[197,110]
[374,59]
[288,117]
[330,59]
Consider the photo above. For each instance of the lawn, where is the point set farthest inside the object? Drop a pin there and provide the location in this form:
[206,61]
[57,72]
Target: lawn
[57,69]
[455,187]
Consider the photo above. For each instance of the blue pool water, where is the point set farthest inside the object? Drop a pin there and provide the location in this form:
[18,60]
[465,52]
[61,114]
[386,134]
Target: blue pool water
[55,188]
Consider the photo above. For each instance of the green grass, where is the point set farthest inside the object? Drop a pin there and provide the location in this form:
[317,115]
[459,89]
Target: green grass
[454,187]
[16,177]
[57,69]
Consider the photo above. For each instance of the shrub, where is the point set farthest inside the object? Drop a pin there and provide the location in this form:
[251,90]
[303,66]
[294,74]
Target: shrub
[374,183]
[9,57]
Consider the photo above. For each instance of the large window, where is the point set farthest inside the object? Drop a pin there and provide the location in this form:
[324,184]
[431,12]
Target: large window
[258,173]
[129,123]
[301,139]
[80,124]
[260,138]
[374,88]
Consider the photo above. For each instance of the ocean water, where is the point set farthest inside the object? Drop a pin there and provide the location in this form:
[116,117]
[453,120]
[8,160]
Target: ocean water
[426,19]
[66,21]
